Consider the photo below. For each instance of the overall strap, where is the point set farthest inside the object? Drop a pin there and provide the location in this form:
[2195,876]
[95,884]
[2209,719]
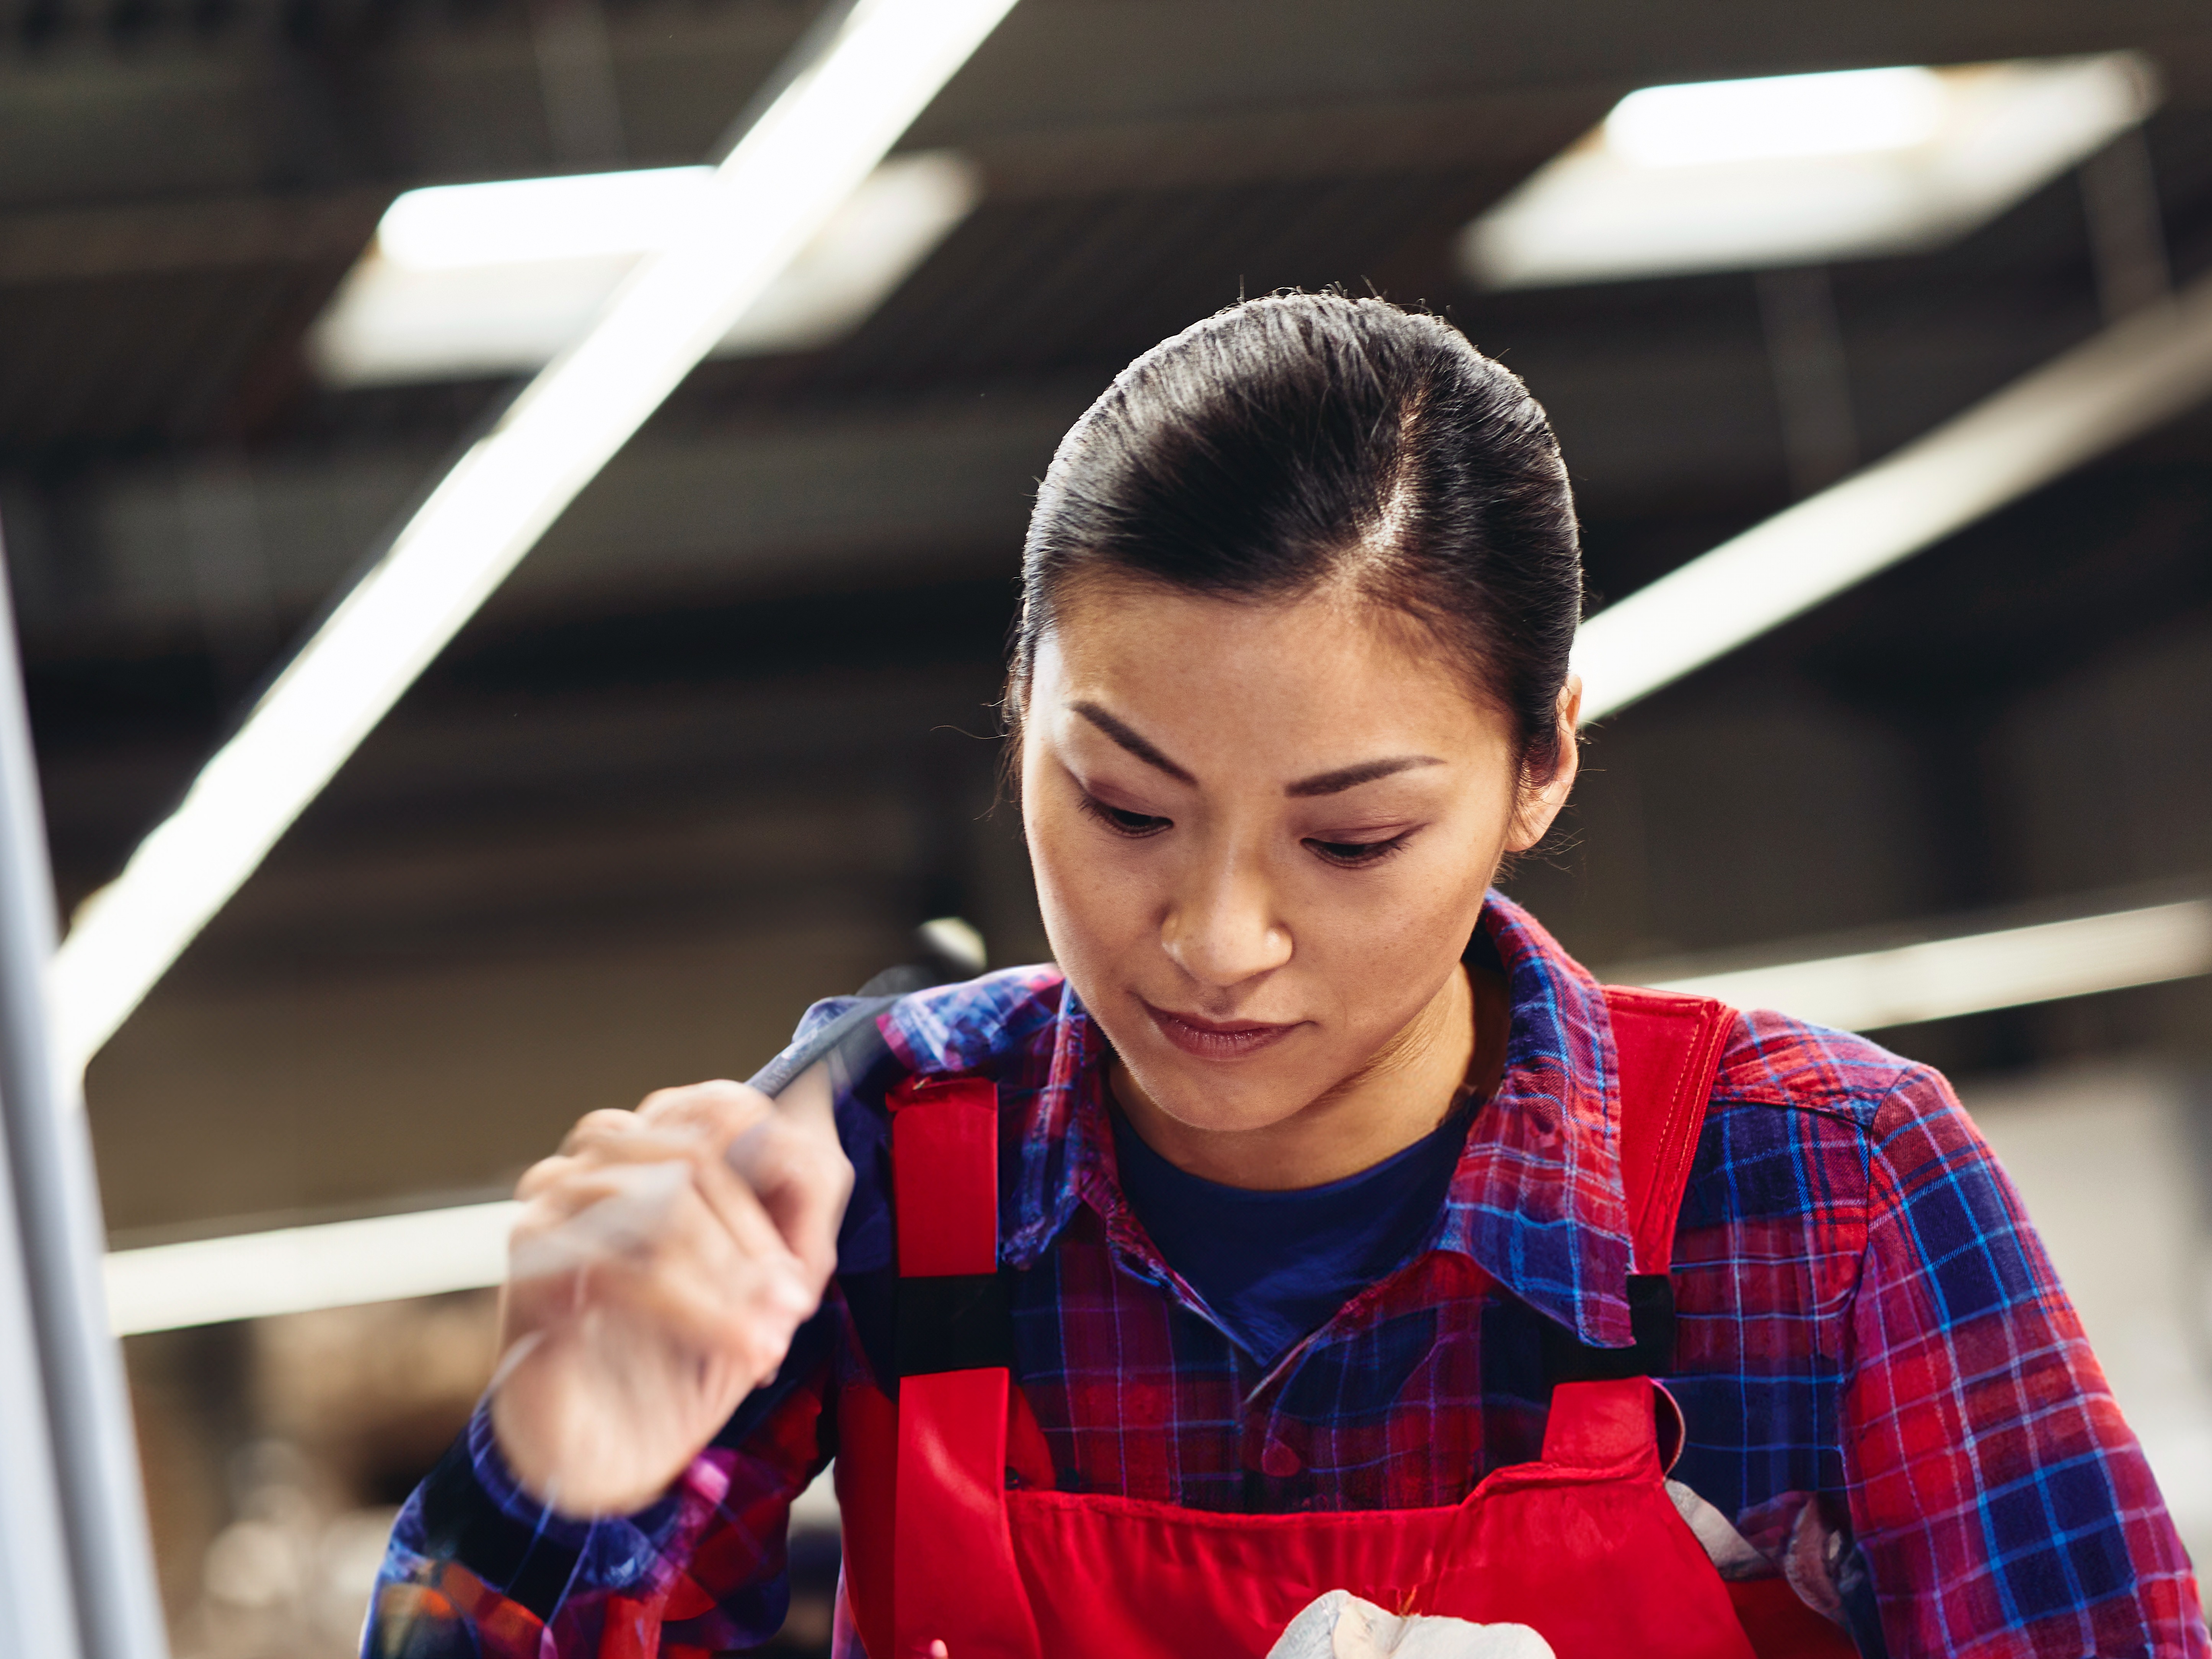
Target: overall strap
[953,1576]
[1667,1050]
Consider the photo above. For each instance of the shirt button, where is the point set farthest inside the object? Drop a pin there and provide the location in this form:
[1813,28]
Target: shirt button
[1279,1461]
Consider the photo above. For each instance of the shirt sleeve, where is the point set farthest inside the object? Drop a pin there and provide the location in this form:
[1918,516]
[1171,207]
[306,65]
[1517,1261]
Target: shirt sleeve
[478,1569]
[2001,1502]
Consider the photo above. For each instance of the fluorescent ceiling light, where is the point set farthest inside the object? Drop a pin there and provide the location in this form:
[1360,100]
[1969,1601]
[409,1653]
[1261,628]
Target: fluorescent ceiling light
[2122,382]
[467,280]
[1737,174]
[1942,978]
[519,221]
[780,186]
[1778,116]
[336,1264]
[426,1252]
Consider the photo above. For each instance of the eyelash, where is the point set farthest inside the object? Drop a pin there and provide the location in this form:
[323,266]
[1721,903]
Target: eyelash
[1135,826]
[1360,854]
[1343,855]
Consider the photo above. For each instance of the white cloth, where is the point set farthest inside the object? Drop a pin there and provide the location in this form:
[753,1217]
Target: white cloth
[1339,1625]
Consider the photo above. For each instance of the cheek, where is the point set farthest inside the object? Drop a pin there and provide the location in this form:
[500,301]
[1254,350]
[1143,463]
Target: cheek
[1381,939]
[1092,897]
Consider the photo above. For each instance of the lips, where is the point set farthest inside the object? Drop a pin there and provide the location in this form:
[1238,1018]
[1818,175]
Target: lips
[1217,1039]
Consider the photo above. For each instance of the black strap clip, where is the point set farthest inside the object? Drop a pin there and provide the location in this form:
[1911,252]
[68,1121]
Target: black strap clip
[1651,1320]
[953,1322]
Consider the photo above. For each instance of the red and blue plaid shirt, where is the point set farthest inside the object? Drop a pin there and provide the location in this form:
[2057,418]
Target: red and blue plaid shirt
[1873,1354]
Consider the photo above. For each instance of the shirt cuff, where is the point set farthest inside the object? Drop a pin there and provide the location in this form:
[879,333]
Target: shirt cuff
[473,1512]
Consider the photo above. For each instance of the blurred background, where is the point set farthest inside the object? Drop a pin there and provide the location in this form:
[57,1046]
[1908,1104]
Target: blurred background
[725,738]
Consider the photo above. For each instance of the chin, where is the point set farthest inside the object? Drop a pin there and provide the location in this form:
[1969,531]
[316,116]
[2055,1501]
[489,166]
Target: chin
[1200,1096]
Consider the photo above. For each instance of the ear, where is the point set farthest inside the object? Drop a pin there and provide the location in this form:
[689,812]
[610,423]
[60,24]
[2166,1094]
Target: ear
[1541,799]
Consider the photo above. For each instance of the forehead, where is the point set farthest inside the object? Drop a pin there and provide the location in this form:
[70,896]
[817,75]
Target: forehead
[1308,681]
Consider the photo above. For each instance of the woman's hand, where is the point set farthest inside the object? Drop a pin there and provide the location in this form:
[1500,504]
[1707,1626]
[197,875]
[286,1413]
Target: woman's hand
[665,1260]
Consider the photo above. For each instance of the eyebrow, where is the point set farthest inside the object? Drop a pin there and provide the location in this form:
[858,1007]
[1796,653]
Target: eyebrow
[1322,783]
[1136,743]
[1350,777]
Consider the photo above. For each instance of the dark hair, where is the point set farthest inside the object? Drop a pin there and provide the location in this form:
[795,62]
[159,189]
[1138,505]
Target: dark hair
[1301,440]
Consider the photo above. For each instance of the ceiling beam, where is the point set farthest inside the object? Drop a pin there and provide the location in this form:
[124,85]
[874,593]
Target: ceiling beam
[2124,381]
[853,88]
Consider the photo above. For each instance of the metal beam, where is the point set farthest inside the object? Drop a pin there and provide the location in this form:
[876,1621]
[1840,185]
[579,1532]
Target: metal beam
[2133,376]
[850,91]
[1905,982]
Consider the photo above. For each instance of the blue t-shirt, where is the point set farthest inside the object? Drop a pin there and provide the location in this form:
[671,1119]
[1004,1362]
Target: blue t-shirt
[1275,1265]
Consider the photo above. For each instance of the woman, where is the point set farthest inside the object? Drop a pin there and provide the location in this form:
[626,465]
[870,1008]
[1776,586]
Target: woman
[1311,1225]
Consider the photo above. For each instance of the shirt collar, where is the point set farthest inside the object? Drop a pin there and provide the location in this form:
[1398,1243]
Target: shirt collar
[1537,1200]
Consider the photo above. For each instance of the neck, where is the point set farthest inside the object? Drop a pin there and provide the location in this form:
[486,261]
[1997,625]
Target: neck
[1400,1095]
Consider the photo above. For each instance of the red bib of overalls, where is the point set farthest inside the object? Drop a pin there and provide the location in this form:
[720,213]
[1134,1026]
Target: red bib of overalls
[1583,1546]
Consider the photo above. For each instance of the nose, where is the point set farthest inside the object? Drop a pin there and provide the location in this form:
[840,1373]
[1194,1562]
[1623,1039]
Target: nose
[1222,928]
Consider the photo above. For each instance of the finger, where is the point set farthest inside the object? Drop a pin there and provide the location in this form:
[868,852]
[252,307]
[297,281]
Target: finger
[627,1135]
[687,1284]
[609,1138]
[795,1161]
[793,1177]
[605,1124]
[803,1183]
[584,1211]
[592,1211]
[739,1316]
[754,1232]
[596,1214]
[717,1108]
[596,1147]
[786,1149]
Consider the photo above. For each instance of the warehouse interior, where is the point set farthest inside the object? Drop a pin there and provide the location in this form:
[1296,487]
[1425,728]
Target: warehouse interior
[729,734]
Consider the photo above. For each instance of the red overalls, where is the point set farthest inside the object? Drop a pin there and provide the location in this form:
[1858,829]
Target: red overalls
[1584,1546]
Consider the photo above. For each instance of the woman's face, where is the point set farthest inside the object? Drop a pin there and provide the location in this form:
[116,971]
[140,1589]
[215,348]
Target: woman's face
[1262,833]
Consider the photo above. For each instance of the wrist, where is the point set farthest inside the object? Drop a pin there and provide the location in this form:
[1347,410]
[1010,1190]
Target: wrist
[557,1460]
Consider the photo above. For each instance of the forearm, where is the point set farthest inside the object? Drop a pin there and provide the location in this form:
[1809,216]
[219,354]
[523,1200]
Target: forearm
[478,1567]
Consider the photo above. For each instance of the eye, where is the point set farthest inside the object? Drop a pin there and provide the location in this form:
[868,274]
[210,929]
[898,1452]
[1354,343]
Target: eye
[1356,854]
[1134,825]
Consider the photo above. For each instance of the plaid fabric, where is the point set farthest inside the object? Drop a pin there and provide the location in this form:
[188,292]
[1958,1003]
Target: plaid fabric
[1873,1354]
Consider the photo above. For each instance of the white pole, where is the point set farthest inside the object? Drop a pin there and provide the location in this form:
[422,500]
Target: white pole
[37,1604]
[50,1279]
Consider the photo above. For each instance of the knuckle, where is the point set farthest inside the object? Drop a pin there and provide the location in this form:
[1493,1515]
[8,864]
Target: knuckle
[541,1174]
[691,1096]
[599,1126]
[718,1111]
[662,1100]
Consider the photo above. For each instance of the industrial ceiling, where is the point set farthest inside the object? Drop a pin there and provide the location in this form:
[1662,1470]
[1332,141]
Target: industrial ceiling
[724,738]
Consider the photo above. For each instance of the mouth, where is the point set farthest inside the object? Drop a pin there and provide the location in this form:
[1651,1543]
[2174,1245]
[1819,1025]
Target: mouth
[1216,1039]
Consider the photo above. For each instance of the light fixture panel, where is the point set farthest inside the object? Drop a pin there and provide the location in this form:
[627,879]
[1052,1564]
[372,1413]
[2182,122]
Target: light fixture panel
[1799,170]
[465,281]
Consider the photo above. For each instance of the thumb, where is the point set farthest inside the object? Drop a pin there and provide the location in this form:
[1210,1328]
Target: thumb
[794,1161]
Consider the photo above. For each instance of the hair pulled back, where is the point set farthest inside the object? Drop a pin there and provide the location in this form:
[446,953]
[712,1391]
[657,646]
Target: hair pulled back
[1304,440]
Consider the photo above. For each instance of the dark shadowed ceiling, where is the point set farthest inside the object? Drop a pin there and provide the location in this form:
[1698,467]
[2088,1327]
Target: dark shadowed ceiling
[723,741]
